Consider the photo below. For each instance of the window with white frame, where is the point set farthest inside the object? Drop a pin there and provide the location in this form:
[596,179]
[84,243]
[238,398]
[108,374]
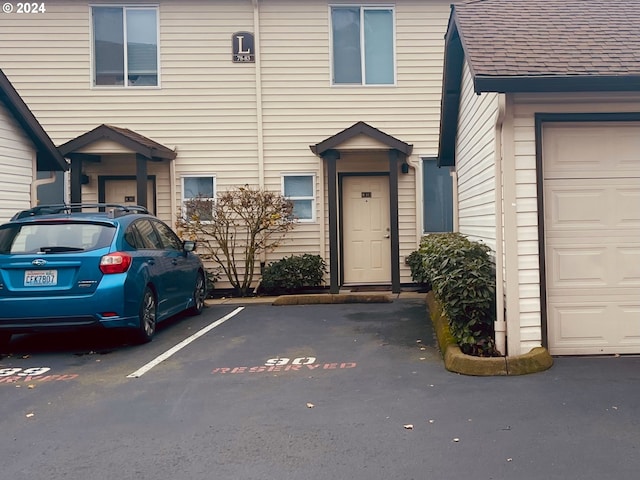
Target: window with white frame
[300,189]
[437,198]
[363,45]
[198,195]
[125,46]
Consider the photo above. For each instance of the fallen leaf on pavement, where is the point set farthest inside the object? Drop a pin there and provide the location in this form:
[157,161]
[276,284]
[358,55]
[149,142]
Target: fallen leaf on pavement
[409,426]
[310,405]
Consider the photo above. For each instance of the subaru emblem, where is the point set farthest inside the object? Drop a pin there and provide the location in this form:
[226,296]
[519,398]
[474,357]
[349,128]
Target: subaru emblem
[39,262]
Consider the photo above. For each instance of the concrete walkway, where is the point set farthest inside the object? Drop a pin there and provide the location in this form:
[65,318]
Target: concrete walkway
[345,295]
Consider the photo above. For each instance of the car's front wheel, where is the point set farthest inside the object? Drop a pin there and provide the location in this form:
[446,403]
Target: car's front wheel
[148,317]
[199,295]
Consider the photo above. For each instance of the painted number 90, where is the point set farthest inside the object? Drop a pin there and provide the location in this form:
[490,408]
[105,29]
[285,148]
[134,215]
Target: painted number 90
[285,361]
[27,372]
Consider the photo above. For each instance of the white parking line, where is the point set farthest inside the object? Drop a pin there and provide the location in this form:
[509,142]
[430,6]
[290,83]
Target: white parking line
[161,358]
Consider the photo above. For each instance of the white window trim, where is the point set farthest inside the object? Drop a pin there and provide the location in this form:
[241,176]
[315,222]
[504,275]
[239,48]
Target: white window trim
[125,85]
[183,199]
[362,7]
[313,198]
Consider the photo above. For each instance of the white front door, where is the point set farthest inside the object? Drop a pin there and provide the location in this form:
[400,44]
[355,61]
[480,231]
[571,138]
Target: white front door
[366,235]
[592,237]
[123,192]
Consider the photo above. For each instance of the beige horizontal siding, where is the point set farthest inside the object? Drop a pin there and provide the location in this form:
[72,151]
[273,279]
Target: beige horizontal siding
[16,166]
[475,164]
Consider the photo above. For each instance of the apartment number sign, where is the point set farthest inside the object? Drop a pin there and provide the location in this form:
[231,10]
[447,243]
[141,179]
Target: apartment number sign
[243,48]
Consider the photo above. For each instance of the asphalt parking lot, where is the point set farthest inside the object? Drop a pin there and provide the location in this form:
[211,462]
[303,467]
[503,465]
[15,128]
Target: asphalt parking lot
[313,392]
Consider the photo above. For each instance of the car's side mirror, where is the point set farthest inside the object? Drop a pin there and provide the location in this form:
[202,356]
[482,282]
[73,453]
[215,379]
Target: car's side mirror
[189,246]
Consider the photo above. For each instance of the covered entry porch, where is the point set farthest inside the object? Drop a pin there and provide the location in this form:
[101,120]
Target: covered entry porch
[111,164]
[362,166]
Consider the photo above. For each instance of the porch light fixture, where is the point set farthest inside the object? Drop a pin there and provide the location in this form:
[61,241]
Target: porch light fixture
[405,168]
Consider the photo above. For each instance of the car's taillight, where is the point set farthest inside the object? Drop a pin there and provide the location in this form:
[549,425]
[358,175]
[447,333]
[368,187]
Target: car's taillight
[117,262]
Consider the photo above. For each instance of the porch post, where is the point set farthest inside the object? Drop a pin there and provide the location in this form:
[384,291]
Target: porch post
[331,157]
[76,179]
[141,180]
[394,223]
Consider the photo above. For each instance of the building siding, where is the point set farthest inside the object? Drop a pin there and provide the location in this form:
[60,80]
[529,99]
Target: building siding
[475,163]
[17,164]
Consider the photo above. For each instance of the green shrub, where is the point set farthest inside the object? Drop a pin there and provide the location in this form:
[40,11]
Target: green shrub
[292,273]
[462,277]
[418,271]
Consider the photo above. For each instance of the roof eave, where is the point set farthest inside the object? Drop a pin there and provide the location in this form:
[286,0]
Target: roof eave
[49,157]
[451,91]
[107,132]
[361,128]
[551,83]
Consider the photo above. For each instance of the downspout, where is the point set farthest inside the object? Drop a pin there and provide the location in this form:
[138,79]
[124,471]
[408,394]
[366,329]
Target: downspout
[501,324]
[456,209]
[259,119]
[258,70]
[36,183]
[416,166]
[172,189]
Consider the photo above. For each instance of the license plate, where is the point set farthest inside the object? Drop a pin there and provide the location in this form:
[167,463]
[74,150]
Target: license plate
[40,278]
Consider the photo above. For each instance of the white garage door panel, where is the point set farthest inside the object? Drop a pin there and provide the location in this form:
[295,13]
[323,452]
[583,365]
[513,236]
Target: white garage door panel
[630,324]
[578,328]
[592,238]
[592,150]
[629,267]
[590,203]
[574,267]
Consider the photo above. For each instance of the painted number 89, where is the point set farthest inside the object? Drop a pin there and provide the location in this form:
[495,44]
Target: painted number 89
[27,372]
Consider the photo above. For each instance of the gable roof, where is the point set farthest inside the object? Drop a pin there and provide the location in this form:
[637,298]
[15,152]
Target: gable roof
[549,45]
[537,46]
[140,144]
[49,158]
[361,128]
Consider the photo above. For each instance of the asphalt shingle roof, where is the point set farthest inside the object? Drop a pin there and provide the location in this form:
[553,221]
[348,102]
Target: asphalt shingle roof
[550,37]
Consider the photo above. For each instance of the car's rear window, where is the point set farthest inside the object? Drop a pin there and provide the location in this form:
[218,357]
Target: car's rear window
[56,237]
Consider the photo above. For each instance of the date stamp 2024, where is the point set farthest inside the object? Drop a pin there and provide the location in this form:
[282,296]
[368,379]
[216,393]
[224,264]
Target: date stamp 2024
[24,7]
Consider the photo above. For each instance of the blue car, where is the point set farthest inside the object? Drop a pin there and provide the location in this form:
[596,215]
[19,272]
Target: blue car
[80,265]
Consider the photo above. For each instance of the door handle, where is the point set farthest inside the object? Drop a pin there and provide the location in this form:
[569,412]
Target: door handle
[387,236]
[151,261]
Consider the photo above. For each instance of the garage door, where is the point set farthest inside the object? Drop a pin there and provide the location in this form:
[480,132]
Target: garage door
[592,237]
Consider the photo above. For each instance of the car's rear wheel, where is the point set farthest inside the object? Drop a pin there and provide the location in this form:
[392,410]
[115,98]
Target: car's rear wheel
[5,338]
[199,295]
[148,317]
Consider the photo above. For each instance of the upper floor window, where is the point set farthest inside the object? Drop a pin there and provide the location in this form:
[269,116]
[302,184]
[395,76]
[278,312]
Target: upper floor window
[300,190]
[363,45]
[125,46]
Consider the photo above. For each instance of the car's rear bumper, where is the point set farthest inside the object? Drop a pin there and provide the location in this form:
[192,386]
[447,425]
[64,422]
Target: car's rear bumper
[107,307]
